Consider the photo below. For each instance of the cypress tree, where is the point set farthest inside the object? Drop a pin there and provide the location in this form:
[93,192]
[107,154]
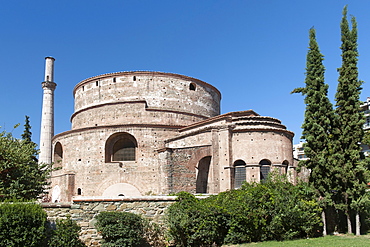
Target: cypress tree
[27,134]
[350,174]
[319,115]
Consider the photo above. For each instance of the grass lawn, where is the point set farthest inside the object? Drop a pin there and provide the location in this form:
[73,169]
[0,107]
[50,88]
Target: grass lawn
[332,241]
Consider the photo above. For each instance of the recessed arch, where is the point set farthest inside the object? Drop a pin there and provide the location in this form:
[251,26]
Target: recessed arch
[239,173]
[121,189]
[58,155]
[203,175]
[120,147]
[55,194]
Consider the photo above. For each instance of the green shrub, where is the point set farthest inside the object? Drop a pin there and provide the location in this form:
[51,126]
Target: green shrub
[66,234]
[274,210]
[120,229]
[22,224]
[192,222]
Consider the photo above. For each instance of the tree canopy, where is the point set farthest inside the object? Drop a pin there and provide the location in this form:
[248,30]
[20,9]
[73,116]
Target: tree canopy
[21,176]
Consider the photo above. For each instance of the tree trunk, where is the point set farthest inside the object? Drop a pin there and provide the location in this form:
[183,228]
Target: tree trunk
[358,224]
[324,233]
[349,225]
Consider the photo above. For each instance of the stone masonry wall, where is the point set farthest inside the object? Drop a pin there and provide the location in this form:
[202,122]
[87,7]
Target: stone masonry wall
[83,211]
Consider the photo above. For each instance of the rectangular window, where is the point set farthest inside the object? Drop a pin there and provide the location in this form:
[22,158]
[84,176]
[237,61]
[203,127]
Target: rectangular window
[240,176]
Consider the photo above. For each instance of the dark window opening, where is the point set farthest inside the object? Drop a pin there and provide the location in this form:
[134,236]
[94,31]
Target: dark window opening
[58,155]
[240,174]
[134,78]
[264,170]
[192,86]
[124,150]
[120,147]
[114,79]
[203,175]
[79,191]
[83,88]
[97,83]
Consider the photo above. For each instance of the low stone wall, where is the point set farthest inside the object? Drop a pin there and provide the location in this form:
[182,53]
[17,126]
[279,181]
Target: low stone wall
[84,210]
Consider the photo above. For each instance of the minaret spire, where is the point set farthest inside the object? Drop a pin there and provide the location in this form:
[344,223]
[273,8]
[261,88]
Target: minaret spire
[47,118]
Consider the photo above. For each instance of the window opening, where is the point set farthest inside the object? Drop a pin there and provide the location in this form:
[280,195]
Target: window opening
[192,86]
[124,150]
[240,174]
[264,170]
[134,78]
[58,154]
[79,191]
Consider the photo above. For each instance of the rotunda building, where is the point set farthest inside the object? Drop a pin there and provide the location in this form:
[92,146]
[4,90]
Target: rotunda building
[154,133]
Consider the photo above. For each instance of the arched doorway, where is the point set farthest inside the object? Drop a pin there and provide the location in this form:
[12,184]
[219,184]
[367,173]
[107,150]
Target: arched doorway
[203,175]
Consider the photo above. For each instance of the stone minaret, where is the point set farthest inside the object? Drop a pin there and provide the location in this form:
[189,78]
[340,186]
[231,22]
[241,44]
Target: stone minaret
[47,118]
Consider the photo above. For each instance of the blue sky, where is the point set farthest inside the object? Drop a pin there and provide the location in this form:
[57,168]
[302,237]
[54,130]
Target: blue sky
[253,51]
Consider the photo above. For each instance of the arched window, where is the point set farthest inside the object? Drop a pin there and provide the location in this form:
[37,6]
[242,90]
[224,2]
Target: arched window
[58,155]
[202,175]
[124,150]
[264,170]
[239,173]
[120,147]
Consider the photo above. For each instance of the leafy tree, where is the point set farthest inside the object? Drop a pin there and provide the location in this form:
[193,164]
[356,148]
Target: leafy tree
[21,176]
[317,126]
[351,175]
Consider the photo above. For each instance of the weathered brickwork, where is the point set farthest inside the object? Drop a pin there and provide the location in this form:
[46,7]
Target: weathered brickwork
[154,133]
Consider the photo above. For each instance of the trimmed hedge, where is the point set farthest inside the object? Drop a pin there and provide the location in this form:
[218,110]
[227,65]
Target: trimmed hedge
[121,229]
[22,224]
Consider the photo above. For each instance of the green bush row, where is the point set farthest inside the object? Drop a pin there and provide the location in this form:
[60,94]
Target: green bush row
[275,210]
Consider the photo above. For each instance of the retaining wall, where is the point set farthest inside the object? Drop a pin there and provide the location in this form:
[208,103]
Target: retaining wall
[84,210]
